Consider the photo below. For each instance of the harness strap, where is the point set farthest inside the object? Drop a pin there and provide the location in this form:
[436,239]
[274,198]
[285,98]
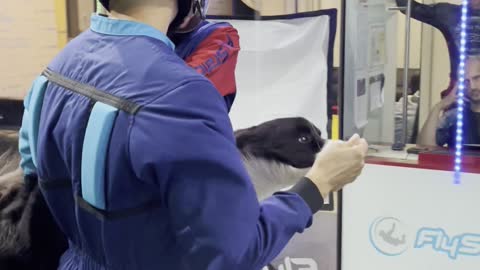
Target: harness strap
[92,93]
[95,144]
[55,184]
[119,214]
[52,185]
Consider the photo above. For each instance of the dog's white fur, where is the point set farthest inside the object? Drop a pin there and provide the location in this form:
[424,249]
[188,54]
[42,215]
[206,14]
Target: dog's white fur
[269,177]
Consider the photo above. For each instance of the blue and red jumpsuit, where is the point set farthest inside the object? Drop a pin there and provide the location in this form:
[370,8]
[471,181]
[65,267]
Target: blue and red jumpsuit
[212,50]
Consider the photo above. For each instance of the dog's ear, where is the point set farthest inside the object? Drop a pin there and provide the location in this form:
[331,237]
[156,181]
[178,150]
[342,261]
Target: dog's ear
[244,137]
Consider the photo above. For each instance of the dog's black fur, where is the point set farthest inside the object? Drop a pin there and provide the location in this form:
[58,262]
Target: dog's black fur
[30,239]
[29,236]
[291,141]
[278,153]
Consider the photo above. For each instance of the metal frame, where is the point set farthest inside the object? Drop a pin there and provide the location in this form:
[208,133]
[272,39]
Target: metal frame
[403,140]
[340,126]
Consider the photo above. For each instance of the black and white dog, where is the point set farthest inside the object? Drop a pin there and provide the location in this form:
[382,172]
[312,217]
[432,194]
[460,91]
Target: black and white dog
[276,155]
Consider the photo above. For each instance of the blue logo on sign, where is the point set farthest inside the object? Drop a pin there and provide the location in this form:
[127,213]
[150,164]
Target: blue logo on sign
[388,236]
[467,244]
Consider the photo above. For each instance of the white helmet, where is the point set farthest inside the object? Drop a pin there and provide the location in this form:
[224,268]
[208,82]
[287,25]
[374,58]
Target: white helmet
[190,14]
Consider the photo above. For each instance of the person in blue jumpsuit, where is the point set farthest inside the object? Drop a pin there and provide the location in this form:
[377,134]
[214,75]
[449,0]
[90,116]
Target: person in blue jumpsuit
[446,17]
[134,153]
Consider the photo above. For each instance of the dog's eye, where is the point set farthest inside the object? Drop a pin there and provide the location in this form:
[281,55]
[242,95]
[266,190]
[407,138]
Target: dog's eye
[304,139]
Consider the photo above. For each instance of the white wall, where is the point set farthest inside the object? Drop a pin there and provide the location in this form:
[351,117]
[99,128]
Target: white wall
[326,4]
[415,38]
[28,42]
[440,62]
[415,41]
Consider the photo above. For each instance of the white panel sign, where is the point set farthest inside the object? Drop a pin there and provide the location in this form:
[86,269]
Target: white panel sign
[404,218]
[281,71]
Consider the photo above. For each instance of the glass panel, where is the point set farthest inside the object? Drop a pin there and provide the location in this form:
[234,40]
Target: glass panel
[375,63]
[432,72]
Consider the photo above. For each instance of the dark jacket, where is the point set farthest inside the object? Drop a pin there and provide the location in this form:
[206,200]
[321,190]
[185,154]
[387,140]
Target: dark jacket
[446,18]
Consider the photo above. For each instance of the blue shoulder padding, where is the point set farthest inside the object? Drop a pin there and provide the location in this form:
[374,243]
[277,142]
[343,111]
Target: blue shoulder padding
[94,153]
[34,111]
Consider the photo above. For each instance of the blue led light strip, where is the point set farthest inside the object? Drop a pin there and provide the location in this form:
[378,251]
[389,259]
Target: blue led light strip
[461,94]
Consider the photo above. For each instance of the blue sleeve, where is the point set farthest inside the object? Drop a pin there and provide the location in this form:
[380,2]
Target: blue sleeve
[183,142]
[433,14]
[443,134]
[26,162]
